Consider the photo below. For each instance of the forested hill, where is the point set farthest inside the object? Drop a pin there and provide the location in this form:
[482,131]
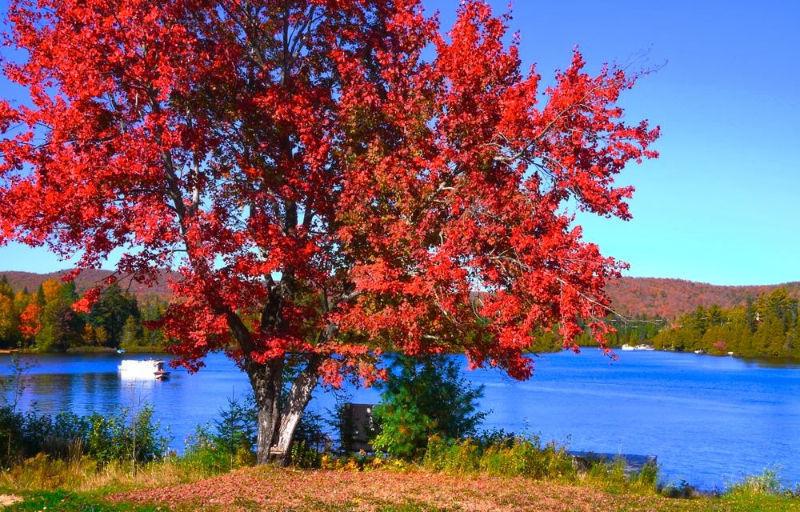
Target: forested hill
[670,298]
[632,296]
[85,280]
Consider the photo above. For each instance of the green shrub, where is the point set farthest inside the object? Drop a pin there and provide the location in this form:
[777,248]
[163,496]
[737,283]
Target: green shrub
[115,438]
[681,490]
[227,442]
[66,436]
[421,399]
[236,427]
[207,457]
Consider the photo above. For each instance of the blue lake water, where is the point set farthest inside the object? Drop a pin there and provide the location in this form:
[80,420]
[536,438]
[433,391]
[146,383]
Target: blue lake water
[709,420]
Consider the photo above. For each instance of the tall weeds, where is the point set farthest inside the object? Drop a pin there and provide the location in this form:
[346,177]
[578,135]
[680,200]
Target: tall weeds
[501,454]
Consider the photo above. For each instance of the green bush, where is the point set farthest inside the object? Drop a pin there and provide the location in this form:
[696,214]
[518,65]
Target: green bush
[114,438]
[227,442]
[421,399]
[203,453]
[66,436]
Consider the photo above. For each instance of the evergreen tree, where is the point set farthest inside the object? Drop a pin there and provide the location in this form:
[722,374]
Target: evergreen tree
[421,399]
[111,311]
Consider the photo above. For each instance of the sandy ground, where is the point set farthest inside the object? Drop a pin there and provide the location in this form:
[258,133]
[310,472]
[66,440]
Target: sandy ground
[8,499]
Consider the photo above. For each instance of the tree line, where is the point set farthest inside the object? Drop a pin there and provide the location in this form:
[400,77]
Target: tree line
[45,320]
[765,327]
[637,330]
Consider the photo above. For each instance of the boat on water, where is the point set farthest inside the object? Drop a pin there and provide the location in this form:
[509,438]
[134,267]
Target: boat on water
[120,351]
[131,369]
[699,351]
[627,347]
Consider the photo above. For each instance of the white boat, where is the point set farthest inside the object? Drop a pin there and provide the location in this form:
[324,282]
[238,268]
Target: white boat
[627,347]
[699,351]
[132,369]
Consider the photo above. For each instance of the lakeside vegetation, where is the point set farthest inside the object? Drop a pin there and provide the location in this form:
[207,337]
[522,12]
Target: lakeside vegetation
[45,320]
[768,326]
[491,471]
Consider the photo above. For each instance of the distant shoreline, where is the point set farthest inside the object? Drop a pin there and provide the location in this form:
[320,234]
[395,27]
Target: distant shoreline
[86,350]
[89,350]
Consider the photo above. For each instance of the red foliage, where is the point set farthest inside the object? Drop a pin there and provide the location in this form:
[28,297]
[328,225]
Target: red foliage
[29,324]
[85,303]
[324,189]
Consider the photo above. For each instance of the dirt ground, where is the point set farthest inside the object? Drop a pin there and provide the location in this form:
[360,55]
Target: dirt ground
[8,499]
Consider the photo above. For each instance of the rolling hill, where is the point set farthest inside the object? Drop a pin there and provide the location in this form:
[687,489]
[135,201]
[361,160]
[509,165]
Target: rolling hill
[670,298]
[631,296]
[85,279]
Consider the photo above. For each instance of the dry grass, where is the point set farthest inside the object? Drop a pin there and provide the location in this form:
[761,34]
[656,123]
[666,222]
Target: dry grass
[42,473]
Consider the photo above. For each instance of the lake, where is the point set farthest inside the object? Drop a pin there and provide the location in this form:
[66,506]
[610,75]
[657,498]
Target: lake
[709,420]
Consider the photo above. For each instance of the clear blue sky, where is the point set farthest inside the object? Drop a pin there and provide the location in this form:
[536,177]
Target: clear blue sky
[722,204]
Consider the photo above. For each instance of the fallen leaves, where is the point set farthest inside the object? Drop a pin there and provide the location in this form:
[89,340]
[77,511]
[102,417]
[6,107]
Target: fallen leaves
[266,488]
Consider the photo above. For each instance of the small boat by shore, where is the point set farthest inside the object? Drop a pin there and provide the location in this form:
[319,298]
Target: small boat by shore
[149,369]
[120,351]
[699,351]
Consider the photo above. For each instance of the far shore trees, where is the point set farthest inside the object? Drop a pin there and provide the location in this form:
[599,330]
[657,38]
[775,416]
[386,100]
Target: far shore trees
[332,179]
[46,321]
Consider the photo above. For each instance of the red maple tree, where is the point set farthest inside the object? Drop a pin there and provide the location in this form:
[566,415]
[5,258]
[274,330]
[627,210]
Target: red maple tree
[333,179]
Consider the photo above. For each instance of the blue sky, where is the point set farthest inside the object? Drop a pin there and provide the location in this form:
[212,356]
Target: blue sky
[722,204]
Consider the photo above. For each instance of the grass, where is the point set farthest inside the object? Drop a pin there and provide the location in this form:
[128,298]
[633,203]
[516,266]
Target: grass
[42,473]
[64,501]
[760,493]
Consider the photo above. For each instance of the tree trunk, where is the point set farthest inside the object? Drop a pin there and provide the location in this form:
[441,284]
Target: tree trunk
[267,382]
[278,416]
